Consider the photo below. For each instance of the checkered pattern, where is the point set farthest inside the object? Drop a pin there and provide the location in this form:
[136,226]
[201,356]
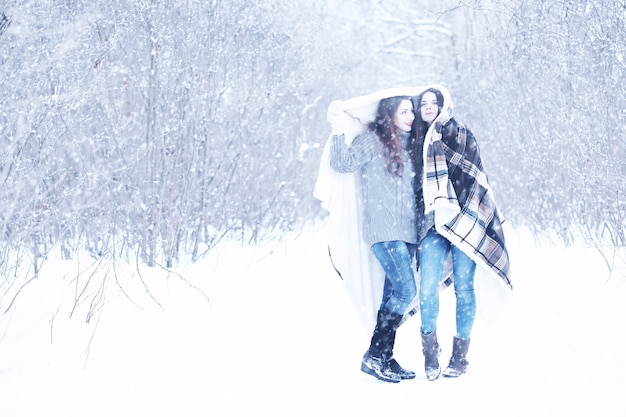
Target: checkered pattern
[456,188]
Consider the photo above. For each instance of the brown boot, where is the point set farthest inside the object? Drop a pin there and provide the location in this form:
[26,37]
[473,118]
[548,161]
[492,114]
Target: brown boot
[458,363]
[431,352]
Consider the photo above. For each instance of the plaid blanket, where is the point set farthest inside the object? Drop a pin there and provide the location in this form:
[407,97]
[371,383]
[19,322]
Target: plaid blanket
[456,189]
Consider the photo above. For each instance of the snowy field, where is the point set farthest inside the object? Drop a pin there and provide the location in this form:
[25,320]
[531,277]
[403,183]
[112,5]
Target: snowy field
[279,336]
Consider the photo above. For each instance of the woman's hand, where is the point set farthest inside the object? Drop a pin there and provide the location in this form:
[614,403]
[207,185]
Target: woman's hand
[339,120]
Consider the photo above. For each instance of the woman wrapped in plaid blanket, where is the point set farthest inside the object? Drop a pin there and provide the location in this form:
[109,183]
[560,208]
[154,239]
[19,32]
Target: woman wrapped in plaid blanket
[462,223]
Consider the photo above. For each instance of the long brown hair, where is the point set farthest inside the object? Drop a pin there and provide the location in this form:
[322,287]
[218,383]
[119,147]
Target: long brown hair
[387,131]
[420,127]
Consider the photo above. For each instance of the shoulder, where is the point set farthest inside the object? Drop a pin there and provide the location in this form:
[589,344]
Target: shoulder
[455,130]
[367,134]
[469,137]
[367,137]
[451,128]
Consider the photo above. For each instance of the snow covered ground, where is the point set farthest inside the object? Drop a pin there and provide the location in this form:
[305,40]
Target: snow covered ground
[280,337]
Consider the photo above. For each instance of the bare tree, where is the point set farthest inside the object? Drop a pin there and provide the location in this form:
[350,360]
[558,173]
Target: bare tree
[150,130]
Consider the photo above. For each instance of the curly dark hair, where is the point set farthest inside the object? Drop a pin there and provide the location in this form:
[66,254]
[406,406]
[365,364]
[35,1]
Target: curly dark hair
[386,130]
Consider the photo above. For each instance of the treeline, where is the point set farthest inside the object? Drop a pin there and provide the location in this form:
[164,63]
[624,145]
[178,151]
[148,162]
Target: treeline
[156,128]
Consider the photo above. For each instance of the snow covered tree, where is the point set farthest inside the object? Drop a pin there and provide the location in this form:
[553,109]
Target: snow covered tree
[541,81]
[155,128]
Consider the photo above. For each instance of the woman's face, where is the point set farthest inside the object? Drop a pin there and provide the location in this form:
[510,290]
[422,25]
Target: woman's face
[429,109]
[404,116]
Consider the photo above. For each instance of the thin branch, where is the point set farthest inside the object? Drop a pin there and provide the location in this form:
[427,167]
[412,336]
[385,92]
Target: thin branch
[5,22]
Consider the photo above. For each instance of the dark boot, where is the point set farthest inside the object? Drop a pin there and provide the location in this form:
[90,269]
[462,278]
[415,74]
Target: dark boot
[458,363]
[431,350]
[395,366]
[404,373]
[377,359]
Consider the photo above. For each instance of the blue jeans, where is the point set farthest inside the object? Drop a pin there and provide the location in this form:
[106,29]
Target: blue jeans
[433,251]
[396,258]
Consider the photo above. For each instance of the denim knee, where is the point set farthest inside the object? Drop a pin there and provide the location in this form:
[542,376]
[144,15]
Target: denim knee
[465,297]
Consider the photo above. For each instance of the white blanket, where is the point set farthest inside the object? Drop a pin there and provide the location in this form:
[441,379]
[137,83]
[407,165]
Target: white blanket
[362,274]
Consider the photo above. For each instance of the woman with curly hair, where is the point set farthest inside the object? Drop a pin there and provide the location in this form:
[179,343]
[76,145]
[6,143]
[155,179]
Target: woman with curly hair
[382,158]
